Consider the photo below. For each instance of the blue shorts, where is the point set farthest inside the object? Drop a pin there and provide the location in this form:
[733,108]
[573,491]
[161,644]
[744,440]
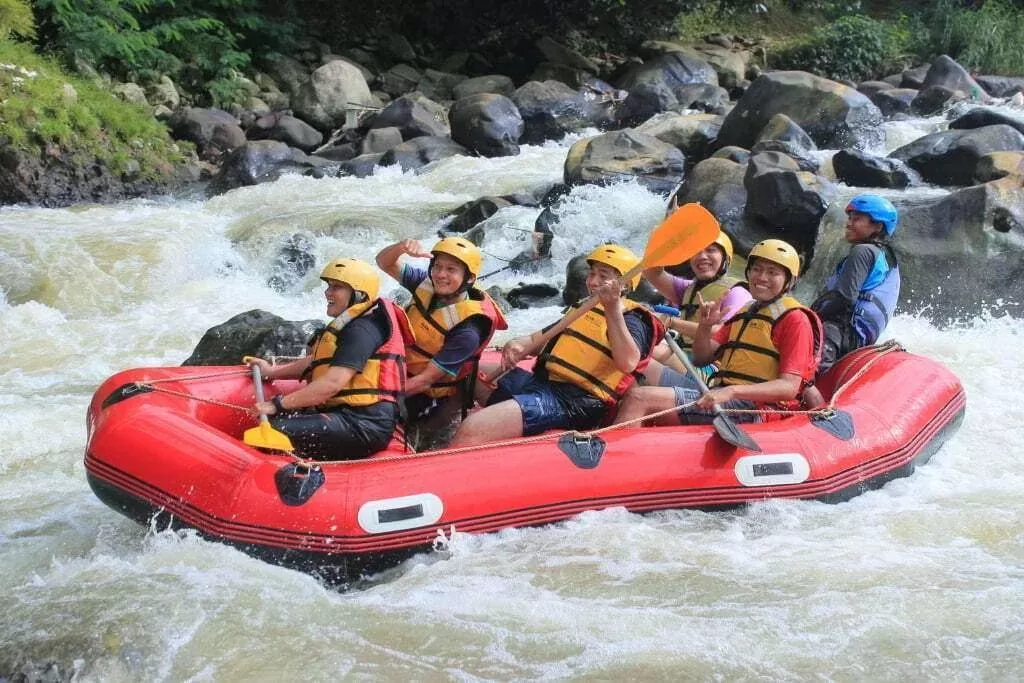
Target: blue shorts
[687,391]
[549,405]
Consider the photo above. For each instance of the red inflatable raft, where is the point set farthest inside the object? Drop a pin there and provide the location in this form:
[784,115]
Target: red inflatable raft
[166,442]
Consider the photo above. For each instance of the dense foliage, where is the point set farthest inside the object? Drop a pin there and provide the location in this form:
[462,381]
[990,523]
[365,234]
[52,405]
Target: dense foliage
[202,44]
[853,48]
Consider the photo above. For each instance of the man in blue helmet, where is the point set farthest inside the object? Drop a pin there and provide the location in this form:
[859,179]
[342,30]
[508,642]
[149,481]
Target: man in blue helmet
[860,297]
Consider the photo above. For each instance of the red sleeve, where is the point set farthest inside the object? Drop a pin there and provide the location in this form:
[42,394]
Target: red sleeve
[793,336]
[722,334]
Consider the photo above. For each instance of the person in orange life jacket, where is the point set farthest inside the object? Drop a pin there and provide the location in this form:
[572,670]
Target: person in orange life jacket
[581,374]
[356,371]
[767,353]
[710,283]
[452,321]
[861,294]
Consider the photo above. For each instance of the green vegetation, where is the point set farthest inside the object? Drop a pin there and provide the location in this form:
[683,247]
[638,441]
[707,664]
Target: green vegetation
[982,36]
[16,19]
[45,111]
[203,45]
[987,38]
[853,48]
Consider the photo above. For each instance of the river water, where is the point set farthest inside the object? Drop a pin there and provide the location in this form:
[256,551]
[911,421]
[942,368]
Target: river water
[921,580]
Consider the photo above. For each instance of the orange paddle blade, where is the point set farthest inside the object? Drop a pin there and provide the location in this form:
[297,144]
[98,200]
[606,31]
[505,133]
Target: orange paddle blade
[680,236]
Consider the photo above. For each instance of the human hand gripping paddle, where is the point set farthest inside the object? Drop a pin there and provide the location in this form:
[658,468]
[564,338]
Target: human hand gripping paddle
[684,233]
[727,429]
[265,436]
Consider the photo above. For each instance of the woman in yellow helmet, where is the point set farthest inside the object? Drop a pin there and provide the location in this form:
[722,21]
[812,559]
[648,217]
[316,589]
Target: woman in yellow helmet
[579,375]
[766,354]
[451,320]
[356,371]
[711,282]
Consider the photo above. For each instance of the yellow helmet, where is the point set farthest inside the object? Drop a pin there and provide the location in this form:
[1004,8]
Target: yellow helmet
[778,252]
[359,275]
[462,249]
[726,244]
[618,257]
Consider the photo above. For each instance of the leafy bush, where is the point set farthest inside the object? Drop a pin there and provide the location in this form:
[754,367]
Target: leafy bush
[202,45]
[40,113]
[16,18]
[853,48]
[986,37]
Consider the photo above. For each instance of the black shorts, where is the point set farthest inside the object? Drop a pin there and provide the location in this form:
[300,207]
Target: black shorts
[344,433]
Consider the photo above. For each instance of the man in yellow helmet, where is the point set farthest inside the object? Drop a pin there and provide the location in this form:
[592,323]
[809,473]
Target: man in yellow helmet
[356,371]
[766,353]
[451,320]
[581,374]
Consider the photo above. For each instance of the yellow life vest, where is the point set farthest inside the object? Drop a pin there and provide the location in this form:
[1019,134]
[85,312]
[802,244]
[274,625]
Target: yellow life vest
[711,290]
[749,356]
[383,376]
[582,355]
[430,327]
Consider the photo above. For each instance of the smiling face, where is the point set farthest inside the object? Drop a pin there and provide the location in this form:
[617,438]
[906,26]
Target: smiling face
[599,274]
[339,297]
[447,274]
[707,262]
[860,227]
[767,280]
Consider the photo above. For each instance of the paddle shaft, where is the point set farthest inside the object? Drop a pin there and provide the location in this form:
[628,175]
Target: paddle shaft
[257,381]
[563,324]
[681,355]
[724,425]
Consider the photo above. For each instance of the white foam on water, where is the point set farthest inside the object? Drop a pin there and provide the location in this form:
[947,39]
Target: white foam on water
[920,579]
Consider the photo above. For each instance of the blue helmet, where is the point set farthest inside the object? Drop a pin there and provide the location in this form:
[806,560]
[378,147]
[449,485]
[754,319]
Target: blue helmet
[878,208]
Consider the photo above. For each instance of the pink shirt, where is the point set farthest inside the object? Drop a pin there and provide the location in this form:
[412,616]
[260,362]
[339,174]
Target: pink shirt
[735,299]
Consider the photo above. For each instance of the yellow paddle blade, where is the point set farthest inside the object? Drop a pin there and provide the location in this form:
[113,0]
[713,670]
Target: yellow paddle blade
[265,436]
[680,236]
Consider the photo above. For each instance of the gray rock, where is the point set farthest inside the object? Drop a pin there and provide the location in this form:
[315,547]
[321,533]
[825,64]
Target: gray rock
[487,124]
[949,157]
[835,116]
[253,333]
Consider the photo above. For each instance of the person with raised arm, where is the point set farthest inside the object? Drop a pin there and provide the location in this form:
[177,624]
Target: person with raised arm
[766,354]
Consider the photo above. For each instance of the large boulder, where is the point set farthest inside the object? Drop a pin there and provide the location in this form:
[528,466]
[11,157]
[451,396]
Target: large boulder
[691,134]
[414,154]
[493,84]
[551,109]
[864,170]
[717,185]
[834,115]
[287,129]
[947,73]
[213,131]
[253,333]
[262,161]
[1001,86]
[980,117]
[331,91]
[786,200]
[487,124]
[414,115]
[949,157]
[671,70]
[625,155]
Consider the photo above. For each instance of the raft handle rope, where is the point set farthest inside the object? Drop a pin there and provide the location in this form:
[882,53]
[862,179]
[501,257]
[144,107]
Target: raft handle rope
[880,351]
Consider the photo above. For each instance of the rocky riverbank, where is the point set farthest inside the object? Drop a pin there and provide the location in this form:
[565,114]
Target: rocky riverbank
[702,121]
